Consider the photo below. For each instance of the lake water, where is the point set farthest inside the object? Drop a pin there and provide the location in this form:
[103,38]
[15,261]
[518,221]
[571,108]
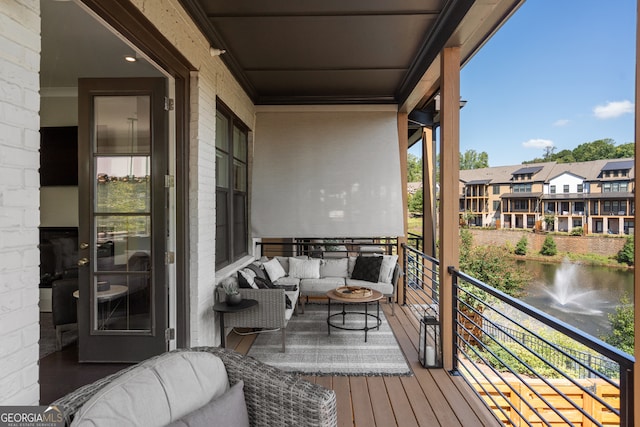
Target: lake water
[579,295]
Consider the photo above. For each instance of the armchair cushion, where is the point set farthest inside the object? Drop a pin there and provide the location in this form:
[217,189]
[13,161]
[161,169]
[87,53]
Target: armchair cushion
[229,409]
[161,390]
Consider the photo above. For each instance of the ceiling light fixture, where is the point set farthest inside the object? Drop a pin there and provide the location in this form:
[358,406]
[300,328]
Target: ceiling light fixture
[216,52]
[130,58]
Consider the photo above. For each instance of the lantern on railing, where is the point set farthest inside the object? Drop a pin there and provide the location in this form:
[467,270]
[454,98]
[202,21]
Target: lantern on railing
[430,350]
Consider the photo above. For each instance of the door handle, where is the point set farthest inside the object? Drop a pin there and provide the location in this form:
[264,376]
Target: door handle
[84,245]
[83,262]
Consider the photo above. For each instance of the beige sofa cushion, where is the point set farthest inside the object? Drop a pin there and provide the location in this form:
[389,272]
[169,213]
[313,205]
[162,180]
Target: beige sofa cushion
[384,288]
[334,267]
[157,392]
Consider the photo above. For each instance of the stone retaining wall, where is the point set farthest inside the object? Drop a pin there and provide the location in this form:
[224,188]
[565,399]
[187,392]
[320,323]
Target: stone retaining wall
[600,245]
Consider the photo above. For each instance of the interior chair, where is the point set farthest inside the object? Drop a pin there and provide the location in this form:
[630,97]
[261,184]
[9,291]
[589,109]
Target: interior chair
[64,307]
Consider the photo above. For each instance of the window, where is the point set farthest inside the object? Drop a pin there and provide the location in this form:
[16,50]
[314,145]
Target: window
[496,205]
[520,205]
[615,187]
[580,188]
[496,189]
[565,188]
[231,187]
[552,189]
[522,188]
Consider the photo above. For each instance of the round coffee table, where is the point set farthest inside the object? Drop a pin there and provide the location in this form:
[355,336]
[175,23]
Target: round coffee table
[334,296]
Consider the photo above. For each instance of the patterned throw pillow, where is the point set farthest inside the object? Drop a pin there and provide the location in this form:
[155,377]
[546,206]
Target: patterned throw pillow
[367,268]
[246,279]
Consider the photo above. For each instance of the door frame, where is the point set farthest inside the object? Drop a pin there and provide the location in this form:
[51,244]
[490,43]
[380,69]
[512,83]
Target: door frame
[128,21]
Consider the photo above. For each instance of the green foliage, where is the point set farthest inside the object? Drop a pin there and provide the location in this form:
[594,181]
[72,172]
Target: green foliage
[549,220]
[627,252]
[622,334]
[502,358]
[415,201]
[414,168]
[549,247]
[521,246]
[595,150]
[578,231]
[126,195]
[471,159]
[467,216]
[491,265]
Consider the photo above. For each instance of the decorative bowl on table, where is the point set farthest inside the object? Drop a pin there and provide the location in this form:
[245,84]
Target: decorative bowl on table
[354,292]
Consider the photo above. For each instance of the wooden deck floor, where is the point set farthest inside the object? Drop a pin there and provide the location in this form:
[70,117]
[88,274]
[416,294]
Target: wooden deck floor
[431,397]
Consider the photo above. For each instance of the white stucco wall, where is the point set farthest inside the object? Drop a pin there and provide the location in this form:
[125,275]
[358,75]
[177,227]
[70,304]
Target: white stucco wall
[19,216]
[565,179]
[211,79]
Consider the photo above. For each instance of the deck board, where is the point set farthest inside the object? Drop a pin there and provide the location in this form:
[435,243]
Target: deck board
[382,411]
[431,397]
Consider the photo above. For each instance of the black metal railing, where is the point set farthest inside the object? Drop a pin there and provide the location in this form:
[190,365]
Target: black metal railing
[530,368]
[335,247]
[415,241]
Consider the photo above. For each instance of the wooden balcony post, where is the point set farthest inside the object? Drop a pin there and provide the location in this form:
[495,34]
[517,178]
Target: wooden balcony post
[403,141]
[428,193]
[636,280]
[449,189]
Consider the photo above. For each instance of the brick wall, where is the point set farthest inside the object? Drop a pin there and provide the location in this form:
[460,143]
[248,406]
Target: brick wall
[19,201]
[600,245]
[211,80]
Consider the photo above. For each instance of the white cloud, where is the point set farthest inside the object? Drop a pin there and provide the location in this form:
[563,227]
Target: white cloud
[613,109]
[537,143]
[561,122]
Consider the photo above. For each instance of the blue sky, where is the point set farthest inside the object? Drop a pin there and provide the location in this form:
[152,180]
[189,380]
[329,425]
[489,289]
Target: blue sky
[559,72]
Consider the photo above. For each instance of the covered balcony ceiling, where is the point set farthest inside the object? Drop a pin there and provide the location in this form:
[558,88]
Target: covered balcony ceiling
[344,52]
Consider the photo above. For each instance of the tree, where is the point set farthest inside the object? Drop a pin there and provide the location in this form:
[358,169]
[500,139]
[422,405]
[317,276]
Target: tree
[549,247]
[626,254]
[622,327]
[549,221]
[595,150]
[625,150]
[491,265]
[471,159]
[521,246]
[415,201]
[414,168]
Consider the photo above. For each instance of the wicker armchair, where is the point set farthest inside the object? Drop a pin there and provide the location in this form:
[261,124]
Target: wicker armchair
[271,312]
[273,397]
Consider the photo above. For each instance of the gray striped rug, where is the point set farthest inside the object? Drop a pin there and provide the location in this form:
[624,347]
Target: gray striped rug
[311,351]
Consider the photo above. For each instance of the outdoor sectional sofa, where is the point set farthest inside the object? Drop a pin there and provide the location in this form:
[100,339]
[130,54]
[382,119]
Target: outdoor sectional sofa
[315,277]
[200,386]
[294,279]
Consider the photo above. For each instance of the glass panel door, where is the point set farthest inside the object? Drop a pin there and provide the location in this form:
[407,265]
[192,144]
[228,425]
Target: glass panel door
[122,291]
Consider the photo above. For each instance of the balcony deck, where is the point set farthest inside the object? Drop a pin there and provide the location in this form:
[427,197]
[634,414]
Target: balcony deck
[429,398]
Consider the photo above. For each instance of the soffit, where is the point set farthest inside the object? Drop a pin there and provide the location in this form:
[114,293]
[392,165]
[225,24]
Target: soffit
[339,52]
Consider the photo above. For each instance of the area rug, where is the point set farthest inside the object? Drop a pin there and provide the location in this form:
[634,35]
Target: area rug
[311,351]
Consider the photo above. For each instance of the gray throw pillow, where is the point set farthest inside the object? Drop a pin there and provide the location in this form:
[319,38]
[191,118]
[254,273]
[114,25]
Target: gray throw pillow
[228,410]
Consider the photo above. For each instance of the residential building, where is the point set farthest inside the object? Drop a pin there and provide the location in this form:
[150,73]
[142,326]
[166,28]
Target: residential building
[597,196]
